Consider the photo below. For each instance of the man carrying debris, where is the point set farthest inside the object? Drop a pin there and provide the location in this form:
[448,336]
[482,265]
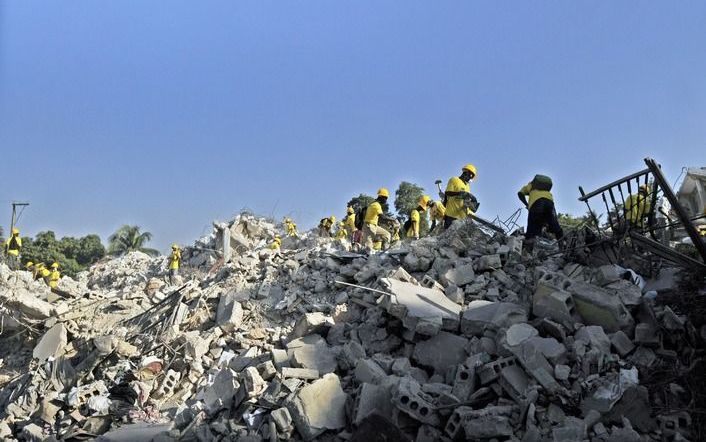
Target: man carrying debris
[290,227]
[325,226]
[458,191]
[637,207]
[12,248]
[541,209]
[349,223]
[174,263]
[371,231]
[411,227]
[437,211]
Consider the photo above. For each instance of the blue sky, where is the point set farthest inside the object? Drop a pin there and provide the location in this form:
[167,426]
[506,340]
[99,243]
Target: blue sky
[171,114]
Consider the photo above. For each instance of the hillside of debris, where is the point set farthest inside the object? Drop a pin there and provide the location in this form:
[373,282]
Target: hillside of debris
[456,337]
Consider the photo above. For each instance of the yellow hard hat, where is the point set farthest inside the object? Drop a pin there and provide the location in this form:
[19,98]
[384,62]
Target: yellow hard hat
[383,192]
[424,201]
[175,246]
[29,264]
[471,168]
[55,265]
[278,238]
[15,231]
[332,219]
[350,210]
[342,224]
[644,188]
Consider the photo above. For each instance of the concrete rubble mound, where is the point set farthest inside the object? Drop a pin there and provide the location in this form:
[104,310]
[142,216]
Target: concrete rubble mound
[455,337]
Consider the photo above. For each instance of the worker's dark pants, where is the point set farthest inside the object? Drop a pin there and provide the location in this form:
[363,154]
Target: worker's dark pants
[541,214]
[448,221]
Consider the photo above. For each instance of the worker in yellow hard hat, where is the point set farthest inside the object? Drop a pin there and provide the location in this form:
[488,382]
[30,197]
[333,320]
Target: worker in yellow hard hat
[37,271]
[458,190]
[637,207]
[349,223]
[437,211]
[341,232]
[174,263]
[29,266]
[54,276]
[290,227]
[325,226]
[412,225]
[541,211]
[372,232]
[13,246]
[276,243]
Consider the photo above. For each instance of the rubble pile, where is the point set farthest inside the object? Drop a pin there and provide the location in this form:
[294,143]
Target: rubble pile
[455,337]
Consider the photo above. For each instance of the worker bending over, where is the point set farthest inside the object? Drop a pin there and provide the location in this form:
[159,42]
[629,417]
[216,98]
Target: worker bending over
[412,225]
[373,214]
[458,191]
[325,226]
[541,209]
[276,243]
[437,211]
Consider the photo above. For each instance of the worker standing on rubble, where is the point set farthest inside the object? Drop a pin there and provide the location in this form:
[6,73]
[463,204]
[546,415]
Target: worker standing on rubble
[412,225]
[541,209]
[349,223]
[54,276]
[373,213]
[290,227]
[38,271]
[325,226]
[341,233]
[174,263]
[458,190]
[637,207]
[13,246]
[437,211]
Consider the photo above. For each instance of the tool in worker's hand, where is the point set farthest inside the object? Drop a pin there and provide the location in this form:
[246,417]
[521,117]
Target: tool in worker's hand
[438,186]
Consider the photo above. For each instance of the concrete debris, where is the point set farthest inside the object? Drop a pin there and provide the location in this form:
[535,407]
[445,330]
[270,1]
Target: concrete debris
[469,339]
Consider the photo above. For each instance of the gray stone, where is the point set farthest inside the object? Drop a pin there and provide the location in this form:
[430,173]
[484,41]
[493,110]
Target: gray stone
[595,336]
[441,351]
[368,371]
[312,323]
[51,343]
[515,382]
[229,315]
[487,423]
[552,349]
[646,335]
[459,276]
[454,293]
[300,373]
[483,315]
[621,343]
[312,351]
[282,420]
[562,372]
[556,305]
[372,399]
[253,382]
[221,393]
[488,263]
[319,407]
[597,306]
[519,333]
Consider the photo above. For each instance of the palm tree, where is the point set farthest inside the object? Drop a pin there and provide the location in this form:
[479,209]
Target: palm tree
[129,239]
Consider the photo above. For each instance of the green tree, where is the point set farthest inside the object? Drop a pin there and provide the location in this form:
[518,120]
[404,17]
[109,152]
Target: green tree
[407,198]
[360,201]
[568,221]
[130,239]
[72,254]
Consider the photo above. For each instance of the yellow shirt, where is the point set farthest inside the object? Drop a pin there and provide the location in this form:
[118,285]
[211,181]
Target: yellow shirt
[535,194]
[175,259]
[637,207]
[372,213]
[437,211]
[341,233]
[13,251]
[455,206]
[54,279]
[291,229]
[275,245]
[413,231]
[349,222]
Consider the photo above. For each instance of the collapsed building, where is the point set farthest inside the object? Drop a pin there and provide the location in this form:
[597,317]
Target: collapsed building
[455,337]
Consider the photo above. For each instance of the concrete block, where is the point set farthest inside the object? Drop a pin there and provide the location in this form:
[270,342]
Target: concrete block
[556,305]
[319,407]
[313,352]
[253,382]
[459,276]
[488,263]
[595,337]
[519,333]
[597,306]
[368,371]
[409,398]
[562,372]
[622,345]
[491,371]
[282,420]
[553,350]
[371,399]
[229,315]
[515,382]
[300,373]
[464,384]
[454,426]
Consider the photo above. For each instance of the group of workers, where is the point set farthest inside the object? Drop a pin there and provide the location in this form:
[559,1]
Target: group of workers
[373,228]
[13,250]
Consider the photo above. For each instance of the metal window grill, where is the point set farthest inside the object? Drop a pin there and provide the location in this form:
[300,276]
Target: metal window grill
[622,231]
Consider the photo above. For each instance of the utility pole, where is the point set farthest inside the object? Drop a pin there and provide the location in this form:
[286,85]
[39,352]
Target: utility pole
[15,205]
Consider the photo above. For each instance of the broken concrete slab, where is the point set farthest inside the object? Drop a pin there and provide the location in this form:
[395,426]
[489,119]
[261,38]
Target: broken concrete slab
[484,315]
[599,307]
[459,276]
[319,407]
[312,323]
[229,315]
[313,352]
[51,343]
